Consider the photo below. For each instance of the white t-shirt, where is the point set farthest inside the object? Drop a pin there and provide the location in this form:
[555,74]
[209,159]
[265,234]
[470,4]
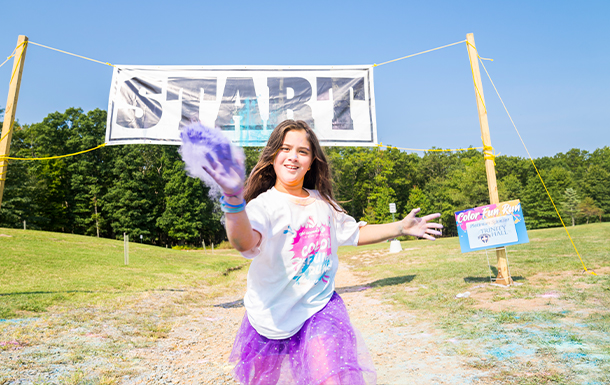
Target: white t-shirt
[292,274]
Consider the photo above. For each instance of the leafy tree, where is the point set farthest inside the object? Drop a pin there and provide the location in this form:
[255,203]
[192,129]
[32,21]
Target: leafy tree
[135,198]
[19,187]
[418,199]
[252,155]
[588,209]
[570,203]
[464,186]
[143,190]
[374,169]
[537,206]
[436,164]
[575,160]
[52,196]
[509,188]
[88,173]
[405,174]
[600,157]
[595,185]
[188,214]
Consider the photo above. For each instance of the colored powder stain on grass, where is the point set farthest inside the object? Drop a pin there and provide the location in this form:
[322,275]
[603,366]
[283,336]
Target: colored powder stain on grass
[512,350]
[568,346]
[19,320]
[574,356]
[550,344]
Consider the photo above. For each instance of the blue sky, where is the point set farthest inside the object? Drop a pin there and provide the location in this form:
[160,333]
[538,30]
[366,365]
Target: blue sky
[551,59]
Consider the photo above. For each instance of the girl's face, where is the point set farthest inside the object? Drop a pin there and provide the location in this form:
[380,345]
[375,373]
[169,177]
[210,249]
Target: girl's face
[292,161]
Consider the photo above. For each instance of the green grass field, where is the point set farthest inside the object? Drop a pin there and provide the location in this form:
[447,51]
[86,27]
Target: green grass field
[445,271]
[552,327]
[41,269]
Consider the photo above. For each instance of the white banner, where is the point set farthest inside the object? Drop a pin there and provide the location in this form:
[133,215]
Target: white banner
[150,104]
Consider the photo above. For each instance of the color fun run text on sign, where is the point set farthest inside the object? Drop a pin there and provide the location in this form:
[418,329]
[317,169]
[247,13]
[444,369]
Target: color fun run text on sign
[491,226]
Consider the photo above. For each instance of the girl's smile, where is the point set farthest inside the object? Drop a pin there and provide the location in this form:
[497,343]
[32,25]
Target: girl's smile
[292,162]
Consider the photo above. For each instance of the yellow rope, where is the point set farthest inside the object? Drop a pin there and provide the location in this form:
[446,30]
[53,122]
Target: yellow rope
[12,76]
[3,166]
[18,60]
[489,153]
[429,150]
[73,54]
[477,51]
[12,54]
[53,157]
[5,135]
[10,128]
[537,172]
[419,53]
[473,78]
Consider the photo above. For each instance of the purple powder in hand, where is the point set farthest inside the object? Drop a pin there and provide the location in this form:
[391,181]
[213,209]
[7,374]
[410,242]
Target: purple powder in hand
[199,141]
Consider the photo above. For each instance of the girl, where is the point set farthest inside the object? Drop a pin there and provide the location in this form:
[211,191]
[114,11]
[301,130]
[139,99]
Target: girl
[296,329]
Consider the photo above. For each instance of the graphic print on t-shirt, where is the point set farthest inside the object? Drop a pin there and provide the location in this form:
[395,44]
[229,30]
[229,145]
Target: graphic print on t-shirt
[312,249]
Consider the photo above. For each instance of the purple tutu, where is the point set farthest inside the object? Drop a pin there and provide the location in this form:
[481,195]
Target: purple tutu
[327,350]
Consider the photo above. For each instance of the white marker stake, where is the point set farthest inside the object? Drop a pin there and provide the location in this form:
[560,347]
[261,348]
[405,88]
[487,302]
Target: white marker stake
[126,248]
[395,246]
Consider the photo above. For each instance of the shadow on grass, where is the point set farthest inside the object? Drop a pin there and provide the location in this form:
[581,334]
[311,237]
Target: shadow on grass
[340,290]
[84,291]
[230,305]
[487,279]
[379,283]
[47,292]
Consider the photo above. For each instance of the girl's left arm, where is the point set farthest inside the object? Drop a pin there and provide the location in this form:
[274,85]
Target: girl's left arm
[410,225]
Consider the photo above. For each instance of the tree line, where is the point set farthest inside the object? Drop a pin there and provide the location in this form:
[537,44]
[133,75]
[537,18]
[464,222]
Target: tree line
[143,190]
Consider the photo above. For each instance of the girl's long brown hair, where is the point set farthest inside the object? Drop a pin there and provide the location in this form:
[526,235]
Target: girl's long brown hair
[263,177]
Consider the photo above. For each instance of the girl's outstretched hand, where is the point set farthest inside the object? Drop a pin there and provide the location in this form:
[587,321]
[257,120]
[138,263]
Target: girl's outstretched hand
[420,227]
[207,152]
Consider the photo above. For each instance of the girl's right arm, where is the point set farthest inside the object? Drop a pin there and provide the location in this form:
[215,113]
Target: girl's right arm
[239,231]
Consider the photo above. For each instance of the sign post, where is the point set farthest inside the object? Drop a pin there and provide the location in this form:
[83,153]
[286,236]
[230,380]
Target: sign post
[11,108]
[393,210]
[395,246]
[126,248]
[503,277]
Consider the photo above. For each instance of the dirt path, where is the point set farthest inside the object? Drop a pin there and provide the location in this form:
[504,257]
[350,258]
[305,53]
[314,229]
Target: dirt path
[405,349]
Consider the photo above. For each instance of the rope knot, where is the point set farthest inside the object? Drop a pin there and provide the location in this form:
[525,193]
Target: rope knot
[489,153]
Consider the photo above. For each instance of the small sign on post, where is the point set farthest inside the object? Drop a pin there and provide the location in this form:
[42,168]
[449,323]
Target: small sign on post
[491,226]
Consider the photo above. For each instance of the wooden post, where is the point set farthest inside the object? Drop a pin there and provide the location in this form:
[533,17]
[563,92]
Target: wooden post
[126,248]
[11,108]
[503,277]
